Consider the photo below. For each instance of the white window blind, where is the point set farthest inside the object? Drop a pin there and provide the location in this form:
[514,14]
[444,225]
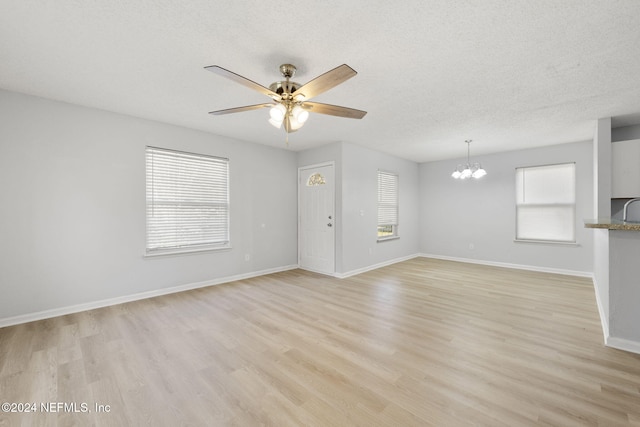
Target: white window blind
[387,204]
[187,201]
[545,203]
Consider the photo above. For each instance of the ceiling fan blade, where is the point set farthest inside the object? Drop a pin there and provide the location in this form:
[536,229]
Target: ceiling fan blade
[334,110]
[241,109]
[325,81]
[243,81]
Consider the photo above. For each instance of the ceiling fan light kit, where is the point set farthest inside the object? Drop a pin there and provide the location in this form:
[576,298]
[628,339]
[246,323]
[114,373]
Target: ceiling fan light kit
[290,104]
[469,170]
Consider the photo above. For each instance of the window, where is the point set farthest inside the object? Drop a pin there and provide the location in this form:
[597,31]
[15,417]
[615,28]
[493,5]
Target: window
[315,180]
[546,203]
[387,205]
[187,201]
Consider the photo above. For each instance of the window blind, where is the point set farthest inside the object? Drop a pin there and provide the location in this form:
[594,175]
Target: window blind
[187,199]
[387,198]
[545,203]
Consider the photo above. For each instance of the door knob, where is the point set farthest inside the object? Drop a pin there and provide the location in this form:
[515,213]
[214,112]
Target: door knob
[329,225]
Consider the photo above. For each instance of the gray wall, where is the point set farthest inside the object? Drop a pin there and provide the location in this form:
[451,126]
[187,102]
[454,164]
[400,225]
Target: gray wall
[625,133]
[455,214]
[356,204]
[329,153]
[360,208]
[73,216]
[624,290]
[615,268]
[73,206]
[602,209]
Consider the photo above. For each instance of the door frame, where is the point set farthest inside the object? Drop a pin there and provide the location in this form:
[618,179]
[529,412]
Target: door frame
[331,163]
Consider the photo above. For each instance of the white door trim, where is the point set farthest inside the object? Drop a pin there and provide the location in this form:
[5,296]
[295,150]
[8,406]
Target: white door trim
[300,170]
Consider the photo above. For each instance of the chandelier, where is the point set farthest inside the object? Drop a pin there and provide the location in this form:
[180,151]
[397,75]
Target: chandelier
[469,170]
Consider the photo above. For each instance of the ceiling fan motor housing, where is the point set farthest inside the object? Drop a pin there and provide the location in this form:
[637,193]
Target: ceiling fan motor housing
[284,87]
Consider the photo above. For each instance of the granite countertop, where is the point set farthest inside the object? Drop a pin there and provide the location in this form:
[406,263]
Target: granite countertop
[612,224]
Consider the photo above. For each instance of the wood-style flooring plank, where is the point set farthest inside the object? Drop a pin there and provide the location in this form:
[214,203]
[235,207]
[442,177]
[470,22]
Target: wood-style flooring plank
[420,343]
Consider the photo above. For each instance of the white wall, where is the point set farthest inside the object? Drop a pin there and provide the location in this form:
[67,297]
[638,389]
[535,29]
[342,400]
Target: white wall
[356,205]
[72,217]
[455,213]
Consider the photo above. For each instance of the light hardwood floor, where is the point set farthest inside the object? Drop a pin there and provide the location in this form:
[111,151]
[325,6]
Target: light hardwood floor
[423,342]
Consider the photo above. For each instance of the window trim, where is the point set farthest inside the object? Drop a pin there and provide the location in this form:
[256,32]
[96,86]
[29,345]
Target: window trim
[395,234]
[221,245]
[573,242]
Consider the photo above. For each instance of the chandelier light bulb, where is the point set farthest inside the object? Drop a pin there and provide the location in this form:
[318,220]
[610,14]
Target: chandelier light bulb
[479,173]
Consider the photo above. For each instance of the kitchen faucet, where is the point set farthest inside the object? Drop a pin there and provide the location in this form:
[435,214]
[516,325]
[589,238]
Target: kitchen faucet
[626,207]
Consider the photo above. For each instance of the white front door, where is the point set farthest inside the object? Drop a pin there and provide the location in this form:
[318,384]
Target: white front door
[316,222]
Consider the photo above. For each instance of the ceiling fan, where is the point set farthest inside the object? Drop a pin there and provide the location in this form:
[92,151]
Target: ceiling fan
[290,104]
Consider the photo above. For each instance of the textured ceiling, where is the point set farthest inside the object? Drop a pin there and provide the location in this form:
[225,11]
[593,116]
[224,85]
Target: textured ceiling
[507,74]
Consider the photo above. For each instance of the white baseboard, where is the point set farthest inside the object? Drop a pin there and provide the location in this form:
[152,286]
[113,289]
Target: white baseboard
[374,266]
[514,266]
[622,344]
[609,341]
[46,314]
[604,320]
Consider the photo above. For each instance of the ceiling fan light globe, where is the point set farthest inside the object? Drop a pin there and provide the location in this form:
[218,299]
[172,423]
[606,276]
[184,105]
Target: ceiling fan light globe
[275,123]
[456,174]
[295,124]
[300,114]
[277,112]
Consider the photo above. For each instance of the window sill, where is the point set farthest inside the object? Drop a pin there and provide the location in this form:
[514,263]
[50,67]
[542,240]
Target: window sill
[186,251]
[547,242]
[384,239]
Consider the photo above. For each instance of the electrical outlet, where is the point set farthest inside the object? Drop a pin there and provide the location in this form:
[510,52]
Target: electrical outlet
[247,257]
[471,246]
